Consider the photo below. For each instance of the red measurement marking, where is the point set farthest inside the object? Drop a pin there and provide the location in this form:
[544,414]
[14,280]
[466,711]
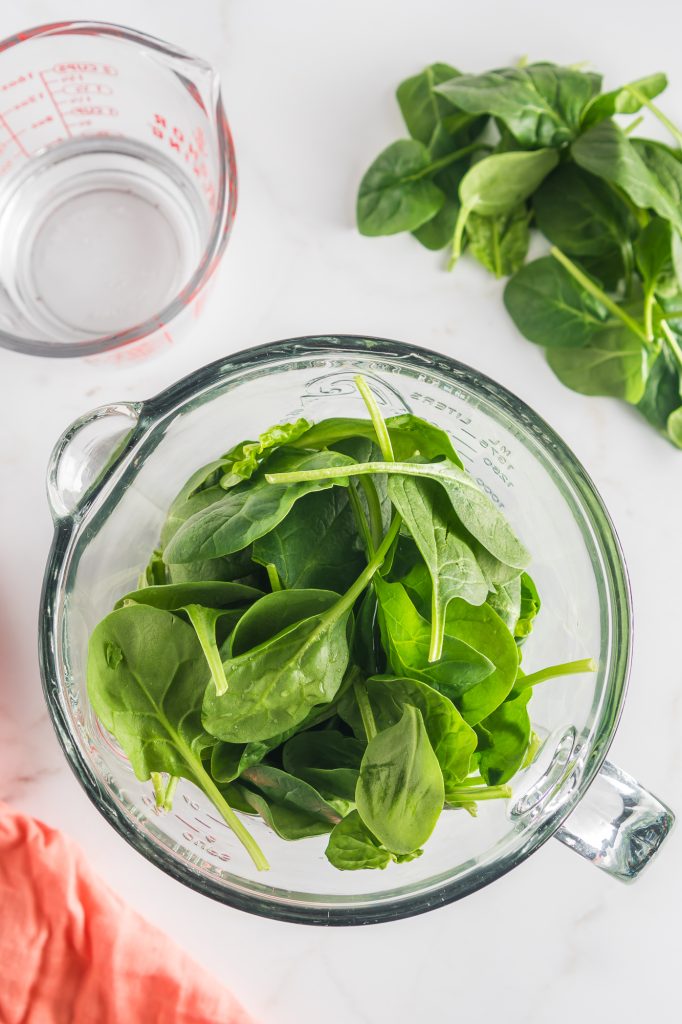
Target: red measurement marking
[21,80]
[13,136]
[88,68]
[55,104]
[36,97]
[86,88]
[94,111]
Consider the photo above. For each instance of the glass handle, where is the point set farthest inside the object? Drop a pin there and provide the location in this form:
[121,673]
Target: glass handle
[618,825]
[90,447]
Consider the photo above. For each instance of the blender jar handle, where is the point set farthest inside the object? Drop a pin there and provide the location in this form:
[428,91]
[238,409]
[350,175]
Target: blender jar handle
[89,448]
[618,825]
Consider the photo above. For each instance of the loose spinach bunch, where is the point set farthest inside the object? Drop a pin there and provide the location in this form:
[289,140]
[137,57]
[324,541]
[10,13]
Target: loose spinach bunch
[329,637]
[492,155]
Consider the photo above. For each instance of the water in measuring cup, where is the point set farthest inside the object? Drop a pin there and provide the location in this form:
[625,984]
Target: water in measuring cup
[96,236]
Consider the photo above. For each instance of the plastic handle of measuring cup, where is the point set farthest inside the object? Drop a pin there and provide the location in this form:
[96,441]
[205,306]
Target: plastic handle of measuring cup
[86,451]
[618,825]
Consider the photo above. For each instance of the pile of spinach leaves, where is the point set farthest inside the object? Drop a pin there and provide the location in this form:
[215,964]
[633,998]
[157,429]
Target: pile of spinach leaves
[491,156]
[329,637]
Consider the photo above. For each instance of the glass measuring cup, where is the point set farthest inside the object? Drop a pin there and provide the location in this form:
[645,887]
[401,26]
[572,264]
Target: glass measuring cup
[111,479]
[118,188]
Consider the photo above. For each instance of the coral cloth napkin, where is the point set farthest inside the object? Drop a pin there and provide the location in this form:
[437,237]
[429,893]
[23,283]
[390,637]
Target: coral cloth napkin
[72,952]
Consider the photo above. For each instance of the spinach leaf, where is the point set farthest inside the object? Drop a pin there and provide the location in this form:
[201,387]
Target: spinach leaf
[273,686]
[352,847]
[503,739]
[278,611]
[496,573]
[517,603]
[653,251]
[614,363]
[400,790]
[229,760]
[530,608]
[192,599]
[550,308]
[366,643]
[481,628]
[667,171]
[407,639]
[334,559]
[410,436]
[336,785]
[321,749]
[623,100]
[249,455]
[154,573]
[428,116]
[662,394]
[497,184]
[453,741]
[395,193]
[146,678]
[500,243]
[235,568]
[436,233]
[183,508]
[285,792]
[674,427]
[426,511]
[245,514]
[649,180]
[473,507]
[541,104]
[174,597]
[287,822]
[505,600]
[584,217]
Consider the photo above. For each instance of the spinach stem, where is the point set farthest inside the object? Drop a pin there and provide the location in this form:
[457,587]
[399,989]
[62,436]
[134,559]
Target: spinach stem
[568,668]
[360,518]
[465,794]
[378,421]
[205,632]
[437,627]
[364,579]
[365,707]
[159,788]
[672,343]
[170,793]
[434,470]
[273,577]
[649,312]
[628,265]
[445,161]
[532,749]
[629,129]
[594,290]
[657,112]
[462,218]
[231,819]
[376,523]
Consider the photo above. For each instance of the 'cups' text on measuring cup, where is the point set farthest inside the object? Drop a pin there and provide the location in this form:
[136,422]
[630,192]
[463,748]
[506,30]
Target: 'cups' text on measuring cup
[118,188]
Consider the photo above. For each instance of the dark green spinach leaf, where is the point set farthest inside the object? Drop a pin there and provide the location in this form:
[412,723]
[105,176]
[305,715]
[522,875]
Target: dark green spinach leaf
[400,791]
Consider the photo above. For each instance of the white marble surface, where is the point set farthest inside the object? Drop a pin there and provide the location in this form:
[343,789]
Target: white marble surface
[308,88]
